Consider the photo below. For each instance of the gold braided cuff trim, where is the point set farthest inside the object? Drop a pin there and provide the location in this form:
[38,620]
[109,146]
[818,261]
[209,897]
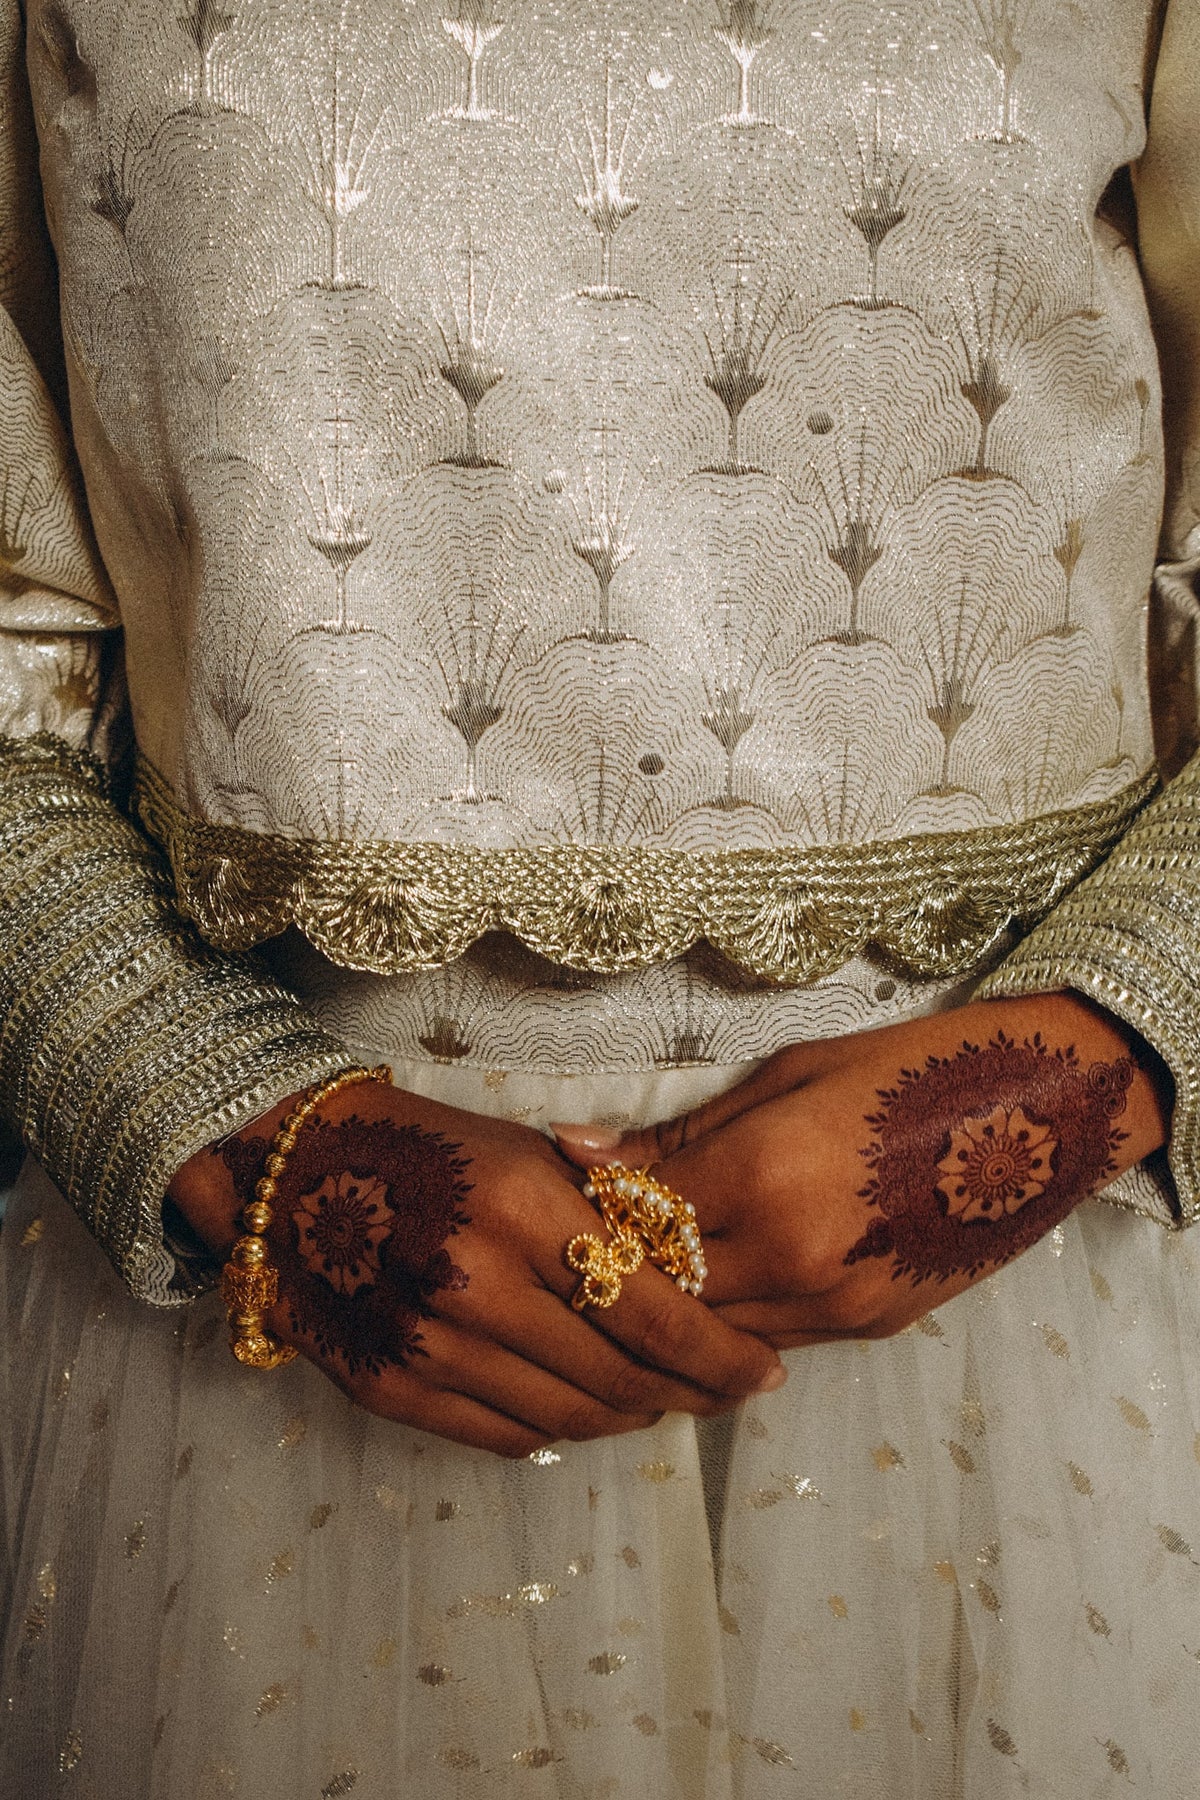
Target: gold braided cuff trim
[126,1043]
[936,905]
[1129,938]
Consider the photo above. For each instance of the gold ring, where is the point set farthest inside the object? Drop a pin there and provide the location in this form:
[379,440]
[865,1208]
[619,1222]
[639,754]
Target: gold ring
[647,1222]
[603,1267]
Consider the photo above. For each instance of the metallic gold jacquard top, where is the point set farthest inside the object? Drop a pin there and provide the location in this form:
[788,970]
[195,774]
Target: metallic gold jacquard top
[680,427]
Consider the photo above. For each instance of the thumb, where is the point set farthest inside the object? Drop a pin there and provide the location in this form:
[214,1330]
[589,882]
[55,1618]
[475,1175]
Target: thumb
[589,1145]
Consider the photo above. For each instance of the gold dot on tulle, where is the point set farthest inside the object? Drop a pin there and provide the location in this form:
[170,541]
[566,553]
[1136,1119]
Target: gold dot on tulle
[271,1699]
[608,1662]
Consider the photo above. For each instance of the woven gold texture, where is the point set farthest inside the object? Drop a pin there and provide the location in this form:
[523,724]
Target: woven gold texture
[126,1044]
[1129,937]
[932,905]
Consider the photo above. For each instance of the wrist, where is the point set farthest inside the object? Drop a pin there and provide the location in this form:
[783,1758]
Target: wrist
[205,1190]
[1069,1019]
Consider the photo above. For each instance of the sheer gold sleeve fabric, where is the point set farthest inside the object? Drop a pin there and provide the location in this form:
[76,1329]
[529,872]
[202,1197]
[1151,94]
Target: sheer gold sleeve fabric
[126,1044]
[1129,936]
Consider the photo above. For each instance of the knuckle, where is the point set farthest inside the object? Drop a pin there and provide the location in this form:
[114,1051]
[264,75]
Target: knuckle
[669,1135]
[508,1191]
[628,1389]
[802,1267]
[666,1331]
[769,1170]
[584,1422]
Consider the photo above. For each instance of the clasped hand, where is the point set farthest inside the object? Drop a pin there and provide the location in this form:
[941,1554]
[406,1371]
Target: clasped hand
[849,1186]
[421,1259]
[842,1190]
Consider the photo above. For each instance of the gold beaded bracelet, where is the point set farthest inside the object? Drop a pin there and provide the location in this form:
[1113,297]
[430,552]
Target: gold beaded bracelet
[250,1283]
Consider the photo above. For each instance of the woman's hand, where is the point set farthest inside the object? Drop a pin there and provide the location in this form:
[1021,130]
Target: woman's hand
[420,1252]
[848,1186]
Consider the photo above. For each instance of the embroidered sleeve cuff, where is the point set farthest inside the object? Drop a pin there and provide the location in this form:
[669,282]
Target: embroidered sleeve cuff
[1129,938]
[126,1044]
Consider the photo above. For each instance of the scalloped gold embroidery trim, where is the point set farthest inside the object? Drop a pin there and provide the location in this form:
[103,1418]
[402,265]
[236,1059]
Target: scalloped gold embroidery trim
[936,905]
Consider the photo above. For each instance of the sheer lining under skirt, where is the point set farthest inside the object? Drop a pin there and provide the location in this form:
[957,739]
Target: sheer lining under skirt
[961,1563]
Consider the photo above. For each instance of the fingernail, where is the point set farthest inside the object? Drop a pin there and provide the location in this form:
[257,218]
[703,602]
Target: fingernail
[597,1140]
[774,1378]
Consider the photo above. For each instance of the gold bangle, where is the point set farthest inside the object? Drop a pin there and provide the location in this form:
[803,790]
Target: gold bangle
[250,1282]
[647,1222]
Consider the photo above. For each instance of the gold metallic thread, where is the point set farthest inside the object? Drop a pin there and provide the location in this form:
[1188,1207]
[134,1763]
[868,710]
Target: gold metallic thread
[126,1043]
[934,905]
[1129,938]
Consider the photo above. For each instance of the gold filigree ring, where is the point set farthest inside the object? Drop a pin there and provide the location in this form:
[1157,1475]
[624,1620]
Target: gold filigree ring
[647,1222]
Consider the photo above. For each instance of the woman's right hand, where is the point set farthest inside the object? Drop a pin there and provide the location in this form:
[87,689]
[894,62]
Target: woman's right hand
[420,1251]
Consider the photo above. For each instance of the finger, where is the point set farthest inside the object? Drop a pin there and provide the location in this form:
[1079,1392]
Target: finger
[760,1198]
[405,1395]
[563,1341]
[659,1324]
[587,1145]
[500,1379]
[675,1333]
[465,1421]
[407,1399]
[844,1311]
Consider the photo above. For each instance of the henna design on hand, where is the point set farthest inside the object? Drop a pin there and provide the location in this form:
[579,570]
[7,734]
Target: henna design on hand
[977,1155]
[364,1211]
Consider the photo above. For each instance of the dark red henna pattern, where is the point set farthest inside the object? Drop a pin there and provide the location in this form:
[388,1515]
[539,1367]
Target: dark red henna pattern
[977,1155]
[244,1158]
[364,1210]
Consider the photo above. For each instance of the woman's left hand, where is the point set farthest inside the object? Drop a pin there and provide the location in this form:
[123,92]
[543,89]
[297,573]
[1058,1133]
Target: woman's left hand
[848,1186]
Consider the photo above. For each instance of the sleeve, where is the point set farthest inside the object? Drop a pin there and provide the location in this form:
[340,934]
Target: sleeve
[126,1044]
[1129,936]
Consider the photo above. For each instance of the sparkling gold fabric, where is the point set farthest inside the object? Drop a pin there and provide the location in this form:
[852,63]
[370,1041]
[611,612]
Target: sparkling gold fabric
[125,1044]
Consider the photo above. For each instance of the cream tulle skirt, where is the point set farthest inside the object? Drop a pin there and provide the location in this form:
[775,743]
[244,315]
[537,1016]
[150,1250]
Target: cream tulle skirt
[964,1562]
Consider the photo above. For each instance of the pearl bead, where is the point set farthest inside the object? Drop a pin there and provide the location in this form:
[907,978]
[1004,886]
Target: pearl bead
[620,1185]
[681,1281]
[589,1191]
